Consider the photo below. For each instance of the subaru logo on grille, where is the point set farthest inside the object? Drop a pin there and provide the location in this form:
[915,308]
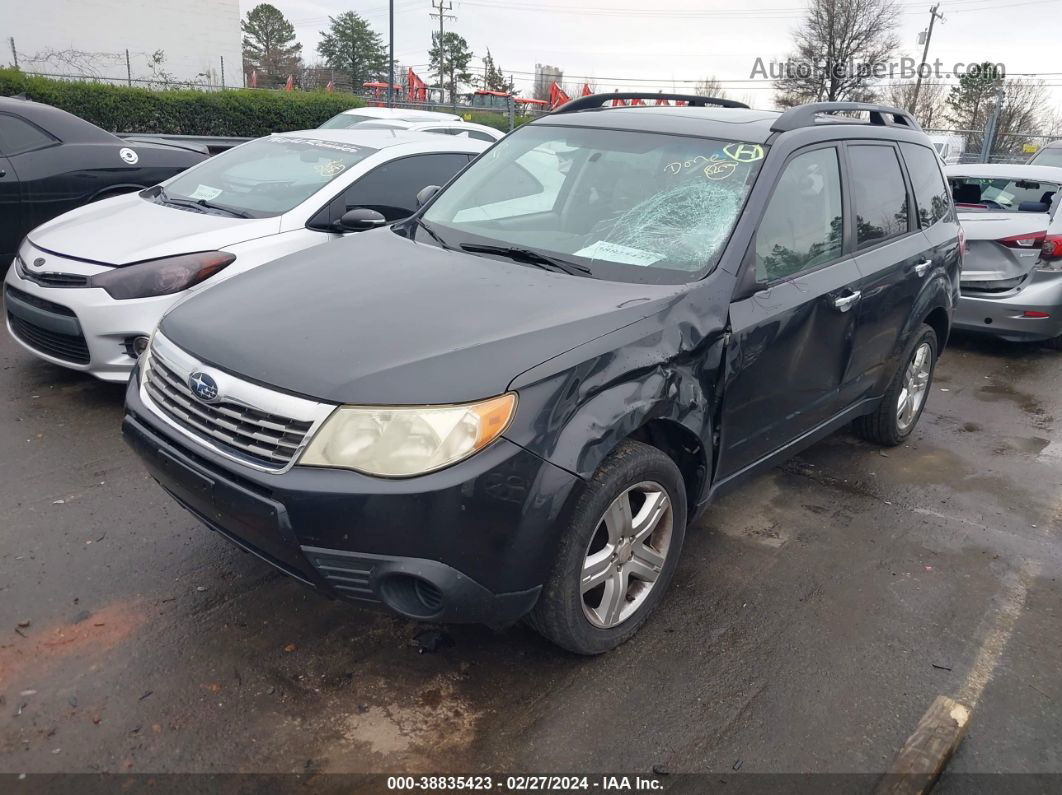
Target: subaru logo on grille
[203,386]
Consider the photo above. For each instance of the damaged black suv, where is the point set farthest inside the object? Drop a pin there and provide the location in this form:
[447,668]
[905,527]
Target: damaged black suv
[512,404]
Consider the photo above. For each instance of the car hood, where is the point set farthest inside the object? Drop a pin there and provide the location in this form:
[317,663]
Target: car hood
[128,229]
[379,319]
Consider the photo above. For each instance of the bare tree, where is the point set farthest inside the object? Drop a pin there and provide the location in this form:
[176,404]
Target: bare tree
[931,106]
[837,48]
[710,87]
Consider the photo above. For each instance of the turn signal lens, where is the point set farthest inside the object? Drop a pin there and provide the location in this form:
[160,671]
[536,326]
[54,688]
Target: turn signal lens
[403,441]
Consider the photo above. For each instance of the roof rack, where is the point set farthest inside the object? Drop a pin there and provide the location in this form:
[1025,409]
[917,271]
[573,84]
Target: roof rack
[805,115]
[598,100]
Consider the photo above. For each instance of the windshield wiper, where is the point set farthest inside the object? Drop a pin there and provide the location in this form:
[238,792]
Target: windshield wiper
[230,210]
[529,257]
[161,194]
[431,232]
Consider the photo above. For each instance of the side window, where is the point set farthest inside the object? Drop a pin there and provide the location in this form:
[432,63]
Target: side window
[879,194]
[804,224]
[481,136]
[18,136]
[930,190]
[392,188]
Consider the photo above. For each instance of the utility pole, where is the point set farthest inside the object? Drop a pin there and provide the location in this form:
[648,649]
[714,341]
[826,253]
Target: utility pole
[128,69]
[391,53]
[934,14]
[440,9]
[14,52]
[993,125]
[222,72]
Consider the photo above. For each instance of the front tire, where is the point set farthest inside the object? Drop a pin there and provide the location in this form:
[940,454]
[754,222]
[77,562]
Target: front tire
[896,417]
[618,554]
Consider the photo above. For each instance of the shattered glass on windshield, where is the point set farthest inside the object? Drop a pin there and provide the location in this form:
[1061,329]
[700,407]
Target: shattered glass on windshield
[614,201]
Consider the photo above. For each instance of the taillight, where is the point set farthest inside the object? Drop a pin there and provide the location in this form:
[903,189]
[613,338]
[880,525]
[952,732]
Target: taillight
[1027,240]
[1052,247]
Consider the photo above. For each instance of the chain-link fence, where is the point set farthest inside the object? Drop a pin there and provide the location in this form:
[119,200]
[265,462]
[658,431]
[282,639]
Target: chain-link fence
[967,146]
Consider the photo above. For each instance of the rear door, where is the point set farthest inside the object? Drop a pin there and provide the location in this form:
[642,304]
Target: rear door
[894,258]
[791,339]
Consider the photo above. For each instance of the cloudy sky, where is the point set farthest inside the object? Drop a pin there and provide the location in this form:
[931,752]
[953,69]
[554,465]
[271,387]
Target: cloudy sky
[672,43]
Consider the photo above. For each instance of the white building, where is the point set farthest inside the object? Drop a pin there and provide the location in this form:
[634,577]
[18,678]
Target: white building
[167,40]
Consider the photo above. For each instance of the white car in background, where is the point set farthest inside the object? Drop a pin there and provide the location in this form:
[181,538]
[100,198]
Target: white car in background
[481,132]
[355,116]
[1011,280]
[87,288]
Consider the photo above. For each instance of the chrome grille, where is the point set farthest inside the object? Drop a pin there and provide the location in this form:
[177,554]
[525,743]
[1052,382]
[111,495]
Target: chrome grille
[252,424]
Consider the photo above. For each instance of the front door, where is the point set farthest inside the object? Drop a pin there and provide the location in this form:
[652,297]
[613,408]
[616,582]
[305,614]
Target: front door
[11,224]
[791,340]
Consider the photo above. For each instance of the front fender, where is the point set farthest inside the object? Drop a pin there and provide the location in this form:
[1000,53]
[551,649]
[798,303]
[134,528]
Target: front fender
[575,409]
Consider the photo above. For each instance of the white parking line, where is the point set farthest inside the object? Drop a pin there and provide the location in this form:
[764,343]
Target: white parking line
[996,628]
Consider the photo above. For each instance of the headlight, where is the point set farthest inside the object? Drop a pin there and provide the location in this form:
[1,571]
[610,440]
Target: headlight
[161,276]
[401,441]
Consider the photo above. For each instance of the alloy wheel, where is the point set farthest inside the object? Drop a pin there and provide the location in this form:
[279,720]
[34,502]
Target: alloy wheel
[915,385]
[626,554]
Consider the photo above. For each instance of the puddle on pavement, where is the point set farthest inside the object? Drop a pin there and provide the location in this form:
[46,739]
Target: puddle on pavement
[1033,445]
[993,393]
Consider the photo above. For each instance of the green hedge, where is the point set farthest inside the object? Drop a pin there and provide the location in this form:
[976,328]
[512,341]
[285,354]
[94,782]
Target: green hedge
[239,112]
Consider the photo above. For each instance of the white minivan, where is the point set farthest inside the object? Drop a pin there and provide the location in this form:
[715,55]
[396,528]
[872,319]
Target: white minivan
[87,288]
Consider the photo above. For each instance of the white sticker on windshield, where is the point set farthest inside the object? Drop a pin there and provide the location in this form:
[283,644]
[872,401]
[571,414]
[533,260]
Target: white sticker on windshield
[206,193]
[614,252]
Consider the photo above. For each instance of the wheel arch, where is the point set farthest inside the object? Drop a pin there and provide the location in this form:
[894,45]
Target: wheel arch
[685,448]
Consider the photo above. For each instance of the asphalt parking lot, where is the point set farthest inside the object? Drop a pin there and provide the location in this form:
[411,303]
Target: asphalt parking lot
[815,616]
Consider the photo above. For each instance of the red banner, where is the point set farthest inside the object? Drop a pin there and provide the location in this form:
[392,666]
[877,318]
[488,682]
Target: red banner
[557,97]
[254,78]
[586,90]
[618,103]
[290,84]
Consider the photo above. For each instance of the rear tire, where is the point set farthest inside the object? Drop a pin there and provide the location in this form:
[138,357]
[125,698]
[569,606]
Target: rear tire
[1055,343]
[618,553]
[895,418]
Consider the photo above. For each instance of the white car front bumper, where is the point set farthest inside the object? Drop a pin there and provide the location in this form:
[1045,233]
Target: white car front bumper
[82,328]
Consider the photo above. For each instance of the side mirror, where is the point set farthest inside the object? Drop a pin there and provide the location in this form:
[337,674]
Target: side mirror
[425,194]
[360,219]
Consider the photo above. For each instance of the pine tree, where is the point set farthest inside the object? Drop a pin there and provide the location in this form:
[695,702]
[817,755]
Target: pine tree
[269,46]
[352,47]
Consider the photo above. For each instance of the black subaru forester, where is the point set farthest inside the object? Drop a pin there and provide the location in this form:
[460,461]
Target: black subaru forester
[513,403]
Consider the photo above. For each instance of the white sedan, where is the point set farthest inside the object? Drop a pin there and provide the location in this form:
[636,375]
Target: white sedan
[87,288]
[459,128]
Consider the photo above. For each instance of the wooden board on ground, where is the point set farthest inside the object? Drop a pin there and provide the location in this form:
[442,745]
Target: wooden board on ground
[923,757]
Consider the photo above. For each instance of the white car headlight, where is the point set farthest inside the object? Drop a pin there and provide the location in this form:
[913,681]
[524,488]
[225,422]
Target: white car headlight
[402,441]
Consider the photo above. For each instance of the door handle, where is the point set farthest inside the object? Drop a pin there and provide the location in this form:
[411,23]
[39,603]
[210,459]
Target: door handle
[921,268]
[843,303]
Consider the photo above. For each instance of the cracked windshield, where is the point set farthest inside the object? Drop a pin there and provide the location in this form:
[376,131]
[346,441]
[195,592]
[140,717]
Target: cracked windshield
[613,204]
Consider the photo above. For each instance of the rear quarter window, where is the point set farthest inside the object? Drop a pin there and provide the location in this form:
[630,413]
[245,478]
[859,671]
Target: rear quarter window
[932,196]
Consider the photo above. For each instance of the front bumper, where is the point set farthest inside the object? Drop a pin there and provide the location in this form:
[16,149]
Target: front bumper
[82,328]
[1001,315]
[472,543]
